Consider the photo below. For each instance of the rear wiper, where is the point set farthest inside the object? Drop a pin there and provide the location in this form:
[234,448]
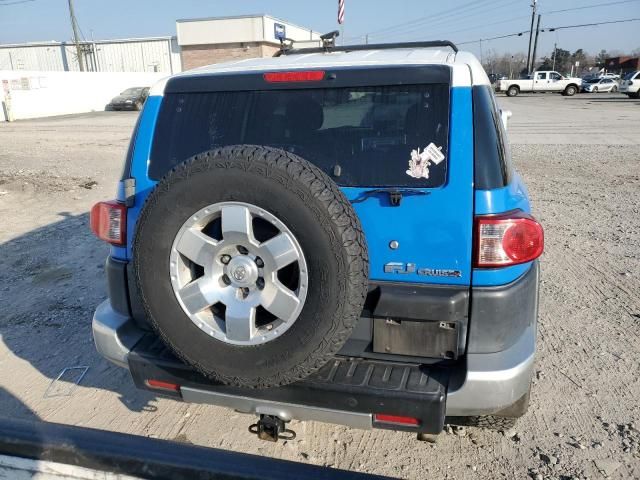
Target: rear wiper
[395,194]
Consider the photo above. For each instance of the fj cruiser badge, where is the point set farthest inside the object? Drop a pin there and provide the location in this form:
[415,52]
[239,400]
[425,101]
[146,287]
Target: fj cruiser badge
[406,268]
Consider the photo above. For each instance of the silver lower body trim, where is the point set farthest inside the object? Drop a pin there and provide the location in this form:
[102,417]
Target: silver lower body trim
[114,334]
[285,411]
[495,381]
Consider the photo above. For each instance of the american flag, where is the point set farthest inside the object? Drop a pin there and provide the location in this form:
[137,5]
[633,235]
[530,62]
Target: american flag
[340,12]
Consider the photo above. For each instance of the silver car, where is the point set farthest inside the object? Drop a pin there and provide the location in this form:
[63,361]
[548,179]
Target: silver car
[596,85]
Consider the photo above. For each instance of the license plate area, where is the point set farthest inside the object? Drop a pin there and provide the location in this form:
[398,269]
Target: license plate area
[416,338]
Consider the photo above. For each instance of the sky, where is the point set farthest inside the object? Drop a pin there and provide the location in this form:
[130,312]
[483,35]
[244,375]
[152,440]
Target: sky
[462,21]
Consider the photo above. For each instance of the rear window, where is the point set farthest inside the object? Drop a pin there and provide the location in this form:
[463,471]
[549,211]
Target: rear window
[359,136]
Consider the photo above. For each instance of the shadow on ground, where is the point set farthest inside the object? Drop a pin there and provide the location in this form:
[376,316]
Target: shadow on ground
[11,407]
[51,280]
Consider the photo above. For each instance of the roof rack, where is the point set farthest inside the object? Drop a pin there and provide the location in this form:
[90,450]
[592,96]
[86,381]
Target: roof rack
[371,46]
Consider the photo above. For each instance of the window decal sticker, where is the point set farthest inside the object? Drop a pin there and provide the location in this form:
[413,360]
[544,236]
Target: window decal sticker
[420,161]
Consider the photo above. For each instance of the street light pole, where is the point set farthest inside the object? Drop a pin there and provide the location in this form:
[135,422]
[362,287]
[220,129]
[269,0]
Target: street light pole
[76,39]
[533,17]
[535,45]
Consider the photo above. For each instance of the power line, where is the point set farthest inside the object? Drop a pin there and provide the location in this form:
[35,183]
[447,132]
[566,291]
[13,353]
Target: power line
[438,16]
[518,34]
[485,24]
[15,3]
[445,23]
[439,19]
[549,29]
[589,6]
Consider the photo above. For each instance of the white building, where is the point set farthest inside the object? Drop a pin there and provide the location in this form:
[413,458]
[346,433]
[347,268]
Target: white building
[154,54]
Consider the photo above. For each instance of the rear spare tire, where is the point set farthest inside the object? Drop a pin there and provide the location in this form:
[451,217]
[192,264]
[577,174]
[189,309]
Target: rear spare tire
[251,265]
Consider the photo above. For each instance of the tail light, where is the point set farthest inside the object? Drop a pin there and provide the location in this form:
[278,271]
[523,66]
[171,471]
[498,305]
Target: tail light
[109,222]
[396,420]
[160,385]
[295,76]
[503,240]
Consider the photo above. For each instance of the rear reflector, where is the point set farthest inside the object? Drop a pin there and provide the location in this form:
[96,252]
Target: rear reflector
[395,419]
[108,222]
[503,240]
[159,385]
[297,76]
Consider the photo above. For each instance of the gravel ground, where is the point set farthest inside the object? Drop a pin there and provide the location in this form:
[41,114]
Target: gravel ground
[579,157]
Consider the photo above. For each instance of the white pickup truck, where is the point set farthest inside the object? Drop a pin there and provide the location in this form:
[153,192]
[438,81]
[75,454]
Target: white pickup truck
[544,81]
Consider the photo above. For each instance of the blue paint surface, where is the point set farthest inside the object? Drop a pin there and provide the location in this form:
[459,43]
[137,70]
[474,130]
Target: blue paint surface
[139,171]
[500,200]
[434,231]
[512,197]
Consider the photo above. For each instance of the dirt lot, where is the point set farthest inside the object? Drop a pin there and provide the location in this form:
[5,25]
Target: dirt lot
[579,157]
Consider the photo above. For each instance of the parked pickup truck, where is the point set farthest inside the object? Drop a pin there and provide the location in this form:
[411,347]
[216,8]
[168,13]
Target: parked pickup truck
[541,82]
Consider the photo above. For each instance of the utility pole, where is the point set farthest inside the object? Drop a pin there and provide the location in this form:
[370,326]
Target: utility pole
[533,16]
[554,56]
[76,39]
[535,44]
[481,52]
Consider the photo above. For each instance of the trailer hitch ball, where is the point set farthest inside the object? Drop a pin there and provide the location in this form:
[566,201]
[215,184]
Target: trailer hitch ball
[271,429]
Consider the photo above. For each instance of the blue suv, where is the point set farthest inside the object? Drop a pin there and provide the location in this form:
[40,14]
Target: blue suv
[333,234]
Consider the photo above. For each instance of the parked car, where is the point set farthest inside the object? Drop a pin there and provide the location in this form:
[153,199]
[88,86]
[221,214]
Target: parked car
[494,77]
[333,234]
[130,99]
[600,85]
[543,81]
[630,84]
[613,76]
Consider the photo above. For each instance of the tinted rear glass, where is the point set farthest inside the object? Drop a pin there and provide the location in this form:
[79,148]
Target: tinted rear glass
[492,165]
[360,136]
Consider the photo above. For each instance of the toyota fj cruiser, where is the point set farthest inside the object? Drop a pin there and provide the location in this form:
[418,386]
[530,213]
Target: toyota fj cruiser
[333,234]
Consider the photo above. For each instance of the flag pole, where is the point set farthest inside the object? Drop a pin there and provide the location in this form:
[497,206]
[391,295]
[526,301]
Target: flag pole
[341,20]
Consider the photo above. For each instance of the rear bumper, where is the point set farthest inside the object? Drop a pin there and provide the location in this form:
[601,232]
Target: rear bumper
[114,334]
[489,382]
[629,89]
[495,381]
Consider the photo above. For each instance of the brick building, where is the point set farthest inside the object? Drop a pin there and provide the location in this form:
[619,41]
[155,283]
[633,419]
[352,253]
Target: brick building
[204,41]
[622,65]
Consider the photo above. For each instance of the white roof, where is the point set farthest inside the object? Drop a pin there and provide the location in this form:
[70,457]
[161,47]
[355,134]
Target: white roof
[466,68]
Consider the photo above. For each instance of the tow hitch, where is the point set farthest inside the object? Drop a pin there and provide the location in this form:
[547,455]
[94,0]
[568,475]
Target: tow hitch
[271,428]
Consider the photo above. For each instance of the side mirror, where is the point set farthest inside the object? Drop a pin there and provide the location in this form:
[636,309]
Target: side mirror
[505,115]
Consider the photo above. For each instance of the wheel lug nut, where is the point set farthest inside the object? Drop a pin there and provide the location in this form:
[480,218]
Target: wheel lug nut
[260,283]
[259,262]
[225,259]
[226,279]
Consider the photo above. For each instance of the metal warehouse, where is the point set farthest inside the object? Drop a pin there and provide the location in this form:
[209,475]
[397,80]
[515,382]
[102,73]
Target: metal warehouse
[155,54]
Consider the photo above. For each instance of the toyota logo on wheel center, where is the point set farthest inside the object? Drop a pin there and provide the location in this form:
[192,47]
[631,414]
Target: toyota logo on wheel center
[239,273]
